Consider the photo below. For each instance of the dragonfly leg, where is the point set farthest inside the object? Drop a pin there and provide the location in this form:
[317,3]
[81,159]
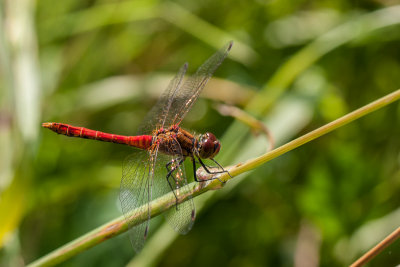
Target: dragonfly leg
[222,168]
[205,167]
[169,174]
[170,171]
[204,164]
[208,171]
[194,170]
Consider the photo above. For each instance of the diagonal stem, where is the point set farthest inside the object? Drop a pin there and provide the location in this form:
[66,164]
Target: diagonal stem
[377,249]
[161,204]
[253,163]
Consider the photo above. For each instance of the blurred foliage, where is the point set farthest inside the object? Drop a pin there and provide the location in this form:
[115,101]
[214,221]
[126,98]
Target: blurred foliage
[102,64]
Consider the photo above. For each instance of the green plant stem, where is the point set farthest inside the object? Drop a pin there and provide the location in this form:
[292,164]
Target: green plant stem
[377,249]
[161,204]
[253,163]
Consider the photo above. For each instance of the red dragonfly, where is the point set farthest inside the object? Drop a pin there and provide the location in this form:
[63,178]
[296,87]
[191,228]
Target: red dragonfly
[157,167]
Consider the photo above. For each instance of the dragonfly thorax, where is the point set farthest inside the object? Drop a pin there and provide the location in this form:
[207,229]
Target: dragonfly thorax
[208,146]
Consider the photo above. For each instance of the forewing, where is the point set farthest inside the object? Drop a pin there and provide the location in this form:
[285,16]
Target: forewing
[181,217]
[188,93]
[158,114]
[135,193]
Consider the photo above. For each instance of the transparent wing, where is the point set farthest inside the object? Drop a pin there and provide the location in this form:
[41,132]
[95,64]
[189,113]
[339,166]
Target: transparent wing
[188,93]
[157,115]
[144,178]
[181,217]
[135,193]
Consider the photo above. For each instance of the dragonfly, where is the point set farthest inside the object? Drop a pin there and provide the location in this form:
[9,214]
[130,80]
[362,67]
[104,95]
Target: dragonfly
[156,166]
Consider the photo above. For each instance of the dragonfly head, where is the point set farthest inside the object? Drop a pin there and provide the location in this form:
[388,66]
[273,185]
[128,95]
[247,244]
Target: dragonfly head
[208,146]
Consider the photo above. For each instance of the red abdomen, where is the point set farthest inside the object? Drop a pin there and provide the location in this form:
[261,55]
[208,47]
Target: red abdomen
[140,141]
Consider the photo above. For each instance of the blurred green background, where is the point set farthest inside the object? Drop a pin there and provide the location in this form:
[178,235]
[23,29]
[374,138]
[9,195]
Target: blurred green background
[295,65]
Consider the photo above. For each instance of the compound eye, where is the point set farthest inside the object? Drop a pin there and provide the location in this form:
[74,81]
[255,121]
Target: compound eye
[209,146]
[217,146]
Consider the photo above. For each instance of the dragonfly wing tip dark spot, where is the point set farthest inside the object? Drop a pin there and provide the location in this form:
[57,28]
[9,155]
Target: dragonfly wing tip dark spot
[193,215]
[230,45]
